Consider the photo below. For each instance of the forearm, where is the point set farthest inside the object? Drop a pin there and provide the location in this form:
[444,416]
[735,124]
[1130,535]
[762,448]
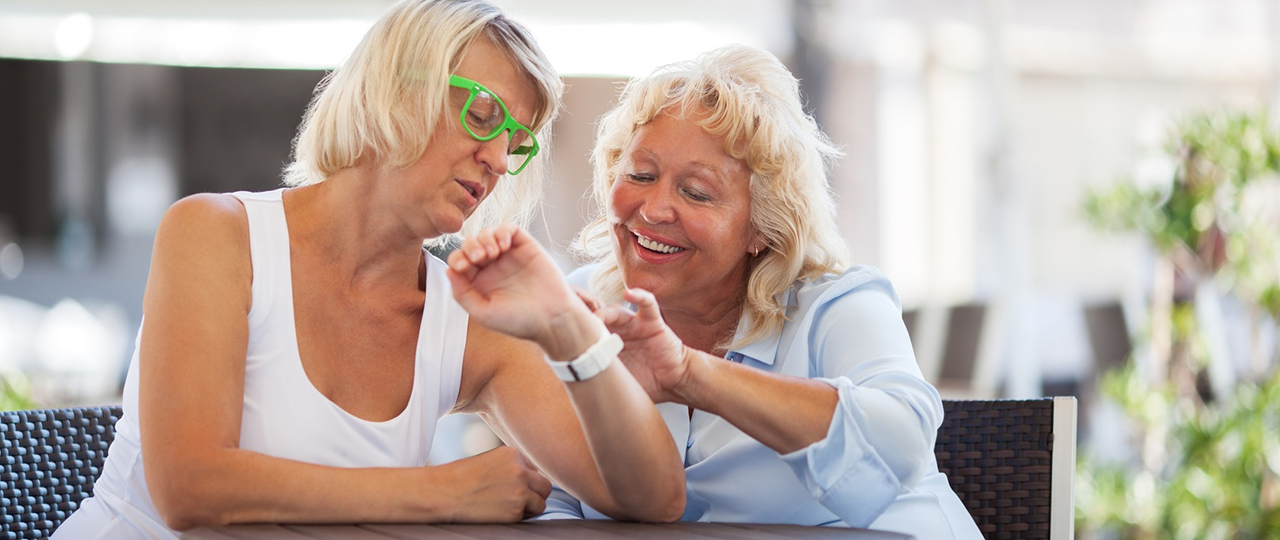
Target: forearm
[634,454]
[784,413]
[228,486]
[633,451]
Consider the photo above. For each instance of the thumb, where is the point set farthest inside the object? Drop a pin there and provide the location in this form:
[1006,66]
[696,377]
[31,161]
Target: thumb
[466,295]
[615,317]
[646,304]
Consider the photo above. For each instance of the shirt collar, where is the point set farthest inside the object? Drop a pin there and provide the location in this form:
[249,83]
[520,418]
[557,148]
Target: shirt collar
[764,350]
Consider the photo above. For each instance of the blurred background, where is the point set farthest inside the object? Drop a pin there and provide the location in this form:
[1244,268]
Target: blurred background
[989,146]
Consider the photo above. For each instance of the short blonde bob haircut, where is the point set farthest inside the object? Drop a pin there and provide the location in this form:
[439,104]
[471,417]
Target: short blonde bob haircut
[382,104]
[754,103]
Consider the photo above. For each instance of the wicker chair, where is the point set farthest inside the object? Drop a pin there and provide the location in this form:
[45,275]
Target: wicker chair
[50,460]
[1012,462]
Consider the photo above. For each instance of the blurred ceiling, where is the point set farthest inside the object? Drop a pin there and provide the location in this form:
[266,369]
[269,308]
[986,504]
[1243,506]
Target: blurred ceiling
[1231,39]
[581,37]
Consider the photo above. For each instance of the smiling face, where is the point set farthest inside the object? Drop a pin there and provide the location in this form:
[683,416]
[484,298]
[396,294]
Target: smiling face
[680,211]
[457,171]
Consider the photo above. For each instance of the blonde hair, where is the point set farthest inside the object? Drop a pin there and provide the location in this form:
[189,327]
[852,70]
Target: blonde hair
[754,103]
[381,105]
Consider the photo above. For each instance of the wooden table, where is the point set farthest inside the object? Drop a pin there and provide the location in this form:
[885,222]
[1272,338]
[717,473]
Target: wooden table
[538,530]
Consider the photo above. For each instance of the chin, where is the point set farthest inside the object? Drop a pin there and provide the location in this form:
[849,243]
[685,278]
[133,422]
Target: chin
[649,281]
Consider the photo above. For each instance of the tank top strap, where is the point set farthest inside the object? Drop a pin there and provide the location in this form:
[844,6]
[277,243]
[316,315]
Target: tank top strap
[442,339]
[268,249]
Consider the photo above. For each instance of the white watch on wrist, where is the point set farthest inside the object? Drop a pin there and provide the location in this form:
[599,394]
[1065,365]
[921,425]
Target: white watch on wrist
[591,362]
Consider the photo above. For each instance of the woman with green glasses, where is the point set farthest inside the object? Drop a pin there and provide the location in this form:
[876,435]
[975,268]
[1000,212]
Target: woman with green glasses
[299,345]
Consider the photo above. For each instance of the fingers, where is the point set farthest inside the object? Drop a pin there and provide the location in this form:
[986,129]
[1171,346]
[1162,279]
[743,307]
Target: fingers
[646,304]
[615,316]
[592,301]
[483,248]
[538,487]
[459,264]
[535,505]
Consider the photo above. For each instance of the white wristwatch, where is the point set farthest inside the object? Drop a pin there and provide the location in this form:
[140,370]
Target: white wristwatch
[591,362]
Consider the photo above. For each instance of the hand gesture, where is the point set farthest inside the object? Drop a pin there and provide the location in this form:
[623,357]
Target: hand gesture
[497,486]
[651,350]
[504,279]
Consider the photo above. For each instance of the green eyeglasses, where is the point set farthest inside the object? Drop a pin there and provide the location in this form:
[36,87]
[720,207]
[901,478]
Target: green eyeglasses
[485,117]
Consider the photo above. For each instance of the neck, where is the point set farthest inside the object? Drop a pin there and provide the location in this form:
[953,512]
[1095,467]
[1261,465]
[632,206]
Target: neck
[707,329]
[342,223]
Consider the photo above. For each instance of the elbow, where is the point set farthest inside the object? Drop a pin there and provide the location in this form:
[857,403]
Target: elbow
[664,509]
[183,511]
[183,500]
[667,510]
[672,512]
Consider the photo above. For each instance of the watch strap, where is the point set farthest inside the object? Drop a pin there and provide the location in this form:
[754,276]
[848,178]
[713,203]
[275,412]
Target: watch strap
[591,362]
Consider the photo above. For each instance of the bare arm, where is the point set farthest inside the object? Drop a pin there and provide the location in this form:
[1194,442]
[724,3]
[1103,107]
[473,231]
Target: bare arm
[615,453]
[192,369]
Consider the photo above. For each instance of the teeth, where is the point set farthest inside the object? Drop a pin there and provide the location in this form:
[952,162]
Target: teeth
[657,246]
[469,189]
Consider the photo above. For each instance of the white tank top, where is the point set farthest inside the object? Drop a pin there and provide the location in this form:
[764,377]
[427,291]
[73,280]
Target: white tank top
[284,415]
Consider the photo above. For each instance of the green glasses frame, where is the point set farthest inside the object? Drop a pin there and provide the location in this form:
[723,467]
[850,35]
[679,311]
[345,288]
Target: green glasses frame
[521,155]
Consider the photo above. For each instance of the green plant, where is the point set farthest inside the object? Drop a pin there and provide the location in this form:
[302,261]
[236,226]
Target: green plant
[15,393]
[1204,465]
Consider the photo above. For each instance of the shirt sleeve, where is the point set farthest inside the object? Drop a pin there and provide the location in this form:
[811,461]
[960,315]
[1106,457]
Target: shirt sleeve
[880,440]
[561,505]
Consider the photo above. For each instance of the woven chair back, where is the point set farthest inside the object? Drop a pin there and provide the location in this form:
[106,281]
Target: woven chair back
[998,456]
[51,459]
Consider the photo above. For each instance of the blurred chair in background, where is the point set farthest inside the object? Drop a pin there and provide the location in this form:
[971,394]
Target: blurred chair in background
[958,347]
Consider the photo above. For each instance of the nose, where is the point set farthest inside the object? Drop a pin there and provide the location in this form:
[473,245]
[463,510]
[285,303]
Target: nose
[493,153]
[656,207]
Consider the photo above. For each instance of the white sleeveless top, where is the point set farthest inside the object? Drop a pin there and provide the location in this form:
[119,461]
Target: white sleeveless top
[284,414]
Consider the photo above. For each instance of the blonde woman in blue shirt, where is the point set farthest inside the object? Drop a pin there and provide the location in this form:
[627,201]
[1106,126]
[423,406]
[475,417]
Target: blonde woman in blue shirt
[785,376]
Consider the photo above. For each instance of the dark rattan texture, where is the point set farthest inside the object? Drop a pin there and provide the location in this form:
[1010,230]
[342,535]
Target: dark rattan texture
[998,456]
[51,459]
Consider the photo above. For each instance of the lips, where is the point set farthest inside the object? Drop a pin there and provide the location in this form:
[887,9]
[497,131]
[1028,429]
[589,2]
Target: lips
[655,250]
[475,190]
[654,245]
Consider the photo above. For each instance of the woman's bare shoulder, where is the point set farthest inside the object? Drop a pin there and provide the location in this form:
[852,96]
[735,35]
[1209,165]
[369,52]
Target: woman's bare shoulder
[206,217]
[204,235]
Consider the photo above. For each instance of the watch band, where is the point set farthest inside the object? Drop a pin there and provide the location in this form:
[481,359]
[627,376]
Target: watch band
[591,362]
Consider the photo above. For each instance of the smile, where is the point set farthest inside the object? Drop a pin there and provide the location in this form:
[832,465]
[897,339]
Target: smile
[654,245]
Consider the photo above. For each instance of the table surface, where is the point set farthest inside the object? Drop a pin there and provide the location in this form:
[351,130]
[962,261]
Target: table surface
[542,530]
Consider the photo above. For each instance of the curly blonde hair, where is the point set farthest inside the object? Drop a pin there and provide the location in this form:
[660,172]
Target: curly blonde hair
[753,102]
[382,103]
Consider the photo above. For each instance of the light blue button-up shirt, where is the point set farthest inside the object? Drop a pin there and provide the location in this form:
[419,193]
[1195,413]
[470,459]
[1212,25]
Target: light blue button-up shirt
[874,469]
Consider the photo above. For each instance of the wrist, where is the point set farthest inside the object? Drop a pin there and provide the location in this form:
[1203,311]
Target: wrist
[570,333]
[687,389]
[593,361]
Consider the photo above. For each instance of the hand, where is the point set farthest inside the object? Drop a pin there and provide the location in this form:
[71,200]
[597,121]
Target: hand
[505,280]
[497,486]
[651,350]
